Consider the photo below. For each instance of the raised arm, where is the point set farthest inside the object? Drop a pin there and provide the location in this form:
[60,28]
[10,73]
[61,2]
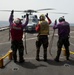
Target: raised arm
[11,17]
[55,25]
[27,19]
[49,20]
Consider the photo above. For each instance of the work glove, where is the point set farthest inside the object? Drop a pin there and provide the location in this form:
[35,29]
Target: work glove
[27,15]
[55,21]
[24,16]
[12,11]
[46,15]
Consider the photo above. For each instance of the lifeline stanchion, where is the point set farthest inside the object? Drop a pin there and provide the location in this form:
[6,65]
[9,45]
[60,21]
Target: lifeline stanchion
[1,62]
[9,54]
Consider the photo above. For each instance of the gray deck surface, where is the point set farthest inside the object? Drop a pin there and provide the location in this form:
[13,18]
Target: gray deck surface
[33,67]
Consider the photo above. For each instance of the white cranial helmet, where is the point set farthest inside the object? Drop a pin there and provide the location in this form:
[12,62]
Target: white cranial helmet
[17,20]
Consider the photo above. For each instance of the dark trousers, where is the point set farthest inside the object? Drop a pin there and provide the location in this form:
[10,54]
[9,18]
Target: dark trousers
[17,45]
[42,40]
[60,43]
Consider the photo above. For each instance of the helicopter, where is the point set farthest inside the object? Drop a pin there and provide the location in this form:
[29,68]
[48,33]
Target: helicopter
[33,19]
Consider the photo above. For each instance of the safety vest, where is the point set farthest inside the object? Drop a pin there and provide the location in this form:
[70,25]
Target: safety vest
[16,34]
[44,28]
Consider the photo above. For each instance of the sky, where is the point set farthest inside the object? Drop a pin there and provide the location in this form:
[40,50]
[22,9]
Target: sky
[65,6]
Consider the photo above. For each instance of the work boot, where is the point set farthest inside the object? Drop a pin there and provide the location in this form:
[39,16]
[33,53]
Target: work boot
[15,59]
[67,58]
[45,55]
[21,60]
[57,57]
[45,59]
[37,55]
[37,58]
[57,60]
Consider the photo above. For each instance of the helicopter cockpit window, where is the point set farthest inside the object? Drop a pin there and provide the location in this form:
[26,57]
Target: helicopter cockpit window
[30,20]
[33,18]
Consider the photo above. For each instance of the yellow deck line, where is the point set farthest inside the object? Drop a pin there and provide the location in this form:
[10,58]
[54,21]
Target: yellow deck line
[71,52]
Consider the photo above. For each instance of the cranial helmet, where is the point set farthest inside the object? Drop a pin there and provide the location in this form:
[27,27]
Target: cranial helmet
[61,19]
[42,17]
[17,21]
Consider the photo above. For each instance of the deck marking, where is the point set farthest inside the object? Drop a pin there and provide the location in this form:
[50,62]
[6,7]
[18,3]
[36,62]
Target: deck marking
[66,65]
[26,39]
[15,68]
[71,52]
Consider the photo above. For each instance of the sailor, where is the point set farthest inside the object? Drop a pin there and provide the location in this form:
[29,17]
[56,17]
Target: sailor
[63,37]
[42,38]
[16,30]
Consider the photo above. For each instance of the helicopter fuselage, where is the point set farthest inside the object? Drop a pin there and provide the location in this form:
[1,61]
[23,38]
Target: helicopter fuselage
[33,21]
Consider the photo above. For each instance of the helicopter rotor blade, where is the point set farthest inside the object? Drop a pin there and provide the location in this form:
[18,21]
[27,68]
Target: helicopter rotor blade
[6,10]
[30,10]
[54,12]
[58,12]
[45,9]
[35,11]
[11,10]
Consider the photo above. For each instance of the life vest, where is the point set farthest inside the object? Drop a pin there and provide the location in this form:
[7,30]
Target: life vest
[16,34]
[44,28]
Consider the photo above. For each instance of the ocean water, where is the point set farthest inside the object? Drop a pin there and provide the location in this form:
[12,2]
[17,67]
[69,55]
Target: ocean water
[6,23]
